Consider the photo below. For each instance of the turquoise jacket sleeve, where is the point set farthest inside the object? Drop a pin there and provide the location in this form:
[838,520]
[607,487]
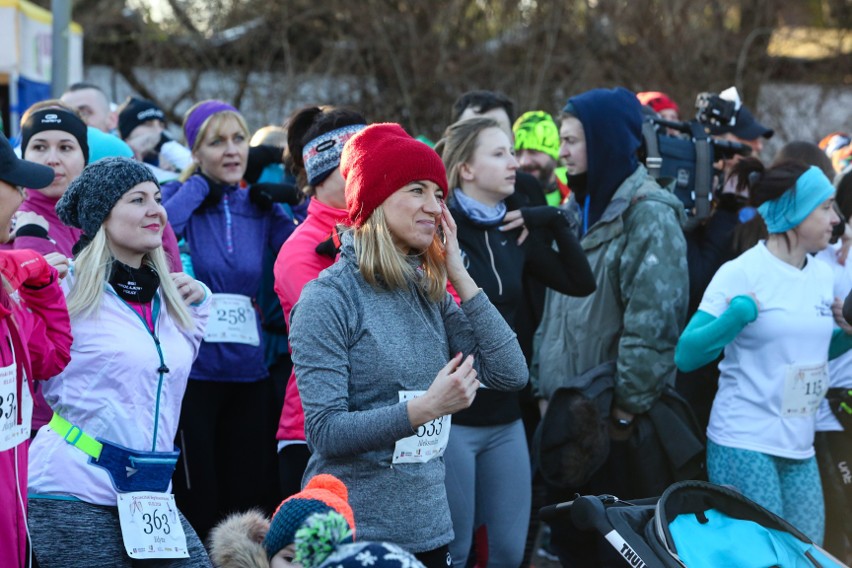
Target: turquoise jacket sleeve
[705,336]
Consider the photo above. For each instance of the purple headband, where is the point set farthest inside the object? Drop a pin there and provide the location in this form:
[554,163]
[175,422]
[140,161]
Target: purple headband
[201,113]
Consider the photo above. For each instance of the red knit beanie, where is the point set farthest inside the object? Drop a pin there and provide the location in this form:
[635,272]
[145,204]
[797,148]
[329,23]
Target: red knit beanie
[657,101]
[380,160]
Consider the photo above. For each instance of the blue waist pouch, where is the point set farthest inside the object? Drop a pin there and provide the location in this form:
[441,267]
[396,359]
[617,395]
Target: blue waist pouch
[135,470]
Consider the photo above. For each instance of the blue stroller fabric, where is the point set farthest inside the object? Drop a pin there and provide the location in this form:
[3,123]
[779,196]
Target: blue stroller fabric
[728,541]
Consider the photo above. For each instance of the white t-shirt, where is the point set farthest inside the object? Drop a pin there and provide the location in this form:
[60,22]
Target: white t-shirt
[840,369]
[774,373]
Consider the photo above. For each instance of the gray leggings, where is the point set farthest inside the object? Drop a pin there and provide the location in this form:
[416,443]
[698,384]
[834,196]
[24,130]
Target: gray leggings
[69,534]
[488,483]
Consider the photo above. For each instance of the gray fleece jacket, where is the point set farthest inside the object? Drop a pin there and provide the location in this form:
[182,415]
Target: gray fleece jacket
[354,347]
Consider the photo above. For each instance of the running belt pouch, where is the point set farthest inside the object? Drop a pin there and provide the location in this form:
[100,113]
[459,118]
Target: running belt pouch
[572,440]
[134,470]
[837,398]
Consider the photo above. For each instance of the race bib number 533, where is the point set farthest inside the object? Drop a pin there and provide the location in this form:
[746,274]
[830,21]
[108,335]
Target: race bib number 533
[429,442]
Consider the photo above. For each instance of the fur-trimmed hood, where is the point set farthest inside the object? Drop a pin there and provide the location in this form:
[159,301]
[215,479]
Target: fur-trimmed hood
[237,541]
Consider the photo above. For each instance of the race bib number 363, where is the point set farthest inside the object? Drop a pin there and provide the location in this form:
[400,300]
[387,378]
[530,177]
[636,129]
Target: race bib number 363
[429,442]
[150,525]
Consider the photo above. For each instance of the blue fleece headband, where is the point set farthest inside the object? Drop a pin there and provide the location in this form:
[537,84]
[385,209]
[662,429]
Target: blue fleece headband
[788,211]
[322,154]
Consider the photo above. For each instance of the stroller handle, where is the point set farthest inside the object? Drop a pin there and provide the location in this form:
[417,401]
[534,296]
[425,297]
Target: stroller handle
[587,512]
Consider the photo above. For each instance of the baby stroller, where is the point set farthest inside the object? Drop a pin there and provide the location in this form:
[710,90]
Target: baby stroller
[694,524]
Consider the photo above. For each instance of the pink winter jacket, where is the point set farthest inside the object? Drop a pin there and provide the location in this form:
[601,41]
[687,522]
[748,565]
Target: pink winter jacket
[62,239]
[297,264]
[39,329]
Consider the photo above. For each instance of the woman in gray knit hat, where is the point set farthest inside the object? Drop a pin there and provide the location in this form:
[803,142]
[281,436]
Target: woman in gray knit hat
[116,405]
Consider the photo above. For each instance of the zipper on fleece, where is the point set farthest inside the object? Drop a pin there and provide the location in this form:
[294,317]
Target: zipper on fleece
[494,266]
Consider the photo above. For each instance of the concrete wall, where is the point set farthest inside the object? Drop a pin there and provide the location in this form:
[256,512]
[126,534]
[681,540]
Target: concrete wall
[269,99]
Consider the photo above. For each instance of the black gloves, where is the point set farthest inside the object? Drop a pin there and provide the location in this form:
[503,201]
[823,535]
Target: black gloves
[265,194]
[261,194]
[258,158]
[214,196]
[542,216]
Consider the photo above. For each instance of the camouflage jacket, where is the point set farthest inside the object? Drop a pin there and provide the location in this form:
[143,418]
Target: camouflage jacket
[637,252]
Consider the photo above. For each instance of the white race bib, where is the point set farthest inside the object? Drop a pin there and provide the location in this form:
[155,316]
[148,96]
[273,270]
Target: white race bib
[150,525]
[11,432]
[429,442]
[232,320]
[804,389]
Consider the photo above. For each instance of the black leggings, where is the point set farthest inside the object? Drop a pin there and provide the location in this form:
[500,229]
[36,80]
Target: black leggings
[437,558]
[227,442]
[292,461]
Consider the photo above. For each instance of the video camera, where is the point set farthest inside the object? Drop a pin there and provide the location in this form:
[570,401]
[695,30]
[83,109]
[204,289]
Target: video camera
[687,159]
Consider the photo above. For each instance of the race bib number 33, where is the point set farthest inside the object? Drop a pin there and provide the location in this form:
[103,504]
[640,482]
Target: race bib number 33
[429,442]
[150,525]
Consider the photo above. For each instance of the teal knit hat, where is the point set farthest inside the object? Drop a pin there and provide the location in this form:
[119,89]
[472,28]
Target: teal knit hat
[322,494]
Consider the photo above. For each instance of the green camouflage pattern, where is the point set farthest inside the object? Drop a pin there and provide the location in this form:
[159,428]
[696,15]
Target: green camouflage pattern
[637,252]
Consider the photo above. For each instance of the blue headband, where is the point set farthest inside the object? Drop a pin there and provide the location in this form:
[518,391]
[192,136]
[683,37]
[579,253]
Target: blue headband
[322,154]
[788,211]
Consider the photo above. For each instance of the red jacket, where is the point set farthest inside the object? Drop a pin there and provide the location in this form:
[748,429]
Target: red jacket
[297,264]
[39,329]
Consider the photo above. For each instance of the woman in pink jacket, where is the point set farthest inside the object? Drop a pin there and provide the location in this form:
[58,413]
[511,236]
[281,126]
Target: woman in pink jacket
[36,344]
[315,140]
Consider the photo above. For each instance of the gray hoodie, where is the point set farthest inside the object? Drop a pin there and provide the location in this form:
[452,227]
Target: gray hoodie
[354,347]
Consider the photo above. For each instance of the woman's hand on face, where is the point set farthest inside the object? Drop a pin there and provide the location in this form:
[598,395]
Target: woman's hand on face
[451,241]
[188,287]
[465,287]
[453,389]
[22,218]
[58,261]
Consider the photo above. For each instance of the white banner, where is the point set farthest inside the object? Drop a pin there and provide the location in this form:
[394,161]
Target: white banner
[26,40]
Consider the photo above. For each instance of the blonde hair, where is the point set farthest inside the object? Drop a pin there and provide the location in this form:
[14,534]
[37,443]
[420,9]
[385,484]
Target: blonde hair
[458,144]
[380,259]
[212,124]
[91,271]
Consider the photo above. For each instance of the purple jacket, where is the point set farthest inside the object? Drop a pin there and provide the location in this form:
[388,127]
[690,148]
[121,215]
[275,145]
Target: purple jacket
[227,242]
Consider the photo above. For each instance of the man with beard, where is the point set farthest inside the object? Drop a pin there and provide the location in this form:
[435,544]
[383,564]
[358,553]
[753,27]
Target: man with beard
[537,152]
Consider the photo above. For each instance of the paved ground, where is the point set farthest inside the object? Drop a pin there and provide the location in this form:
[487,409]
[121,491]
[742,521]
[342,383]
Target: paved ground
[539,561]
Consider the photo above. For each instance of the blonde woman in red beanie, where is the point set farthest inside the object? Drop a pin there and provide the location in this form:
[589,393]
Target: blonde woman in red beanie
[384,356]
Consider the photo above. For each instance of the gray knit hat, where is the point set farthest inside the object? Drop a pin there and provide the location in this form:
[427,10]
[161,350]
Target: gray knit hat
[92,195]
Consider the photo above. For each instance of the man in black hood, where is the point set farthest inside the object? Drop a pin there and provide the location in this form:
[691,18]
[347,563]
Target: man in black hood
[632,234]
